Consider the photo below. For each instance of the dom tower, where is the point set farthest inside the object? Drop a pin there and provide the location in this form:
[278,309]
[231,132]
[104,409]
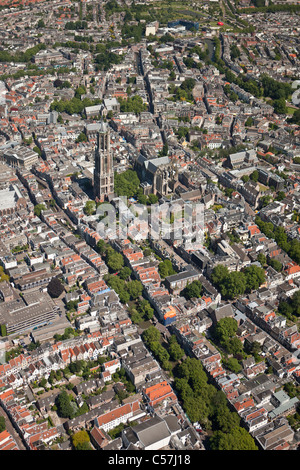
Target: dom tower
[104,171]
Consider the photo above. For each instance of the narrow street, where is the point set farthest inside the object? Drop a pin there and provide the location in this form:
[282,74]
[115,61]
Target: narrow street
[12,430]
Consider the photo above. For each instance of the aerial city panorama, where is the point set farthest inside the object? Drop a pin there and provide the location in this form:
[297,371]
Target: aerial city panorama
[150,227]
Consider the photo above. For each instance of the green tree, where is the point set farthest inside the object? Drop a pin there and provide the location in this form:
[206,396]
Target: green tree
[145,310]
[55,288]
[219,274]
[2,424]
[3,330]
[38,208]
[126,183]
[194,289]
[134,104]
[255,276]
[152,199]
[89,208]
[150,335]
[63,403]
[262,259]
[3,277]
[254,176]
[237,439]
[80,90]
[295,119]
[280,106]
[275,263]
[233,365]
[135,289]
[125,273]
[233,285]
[280,196]
[175,351]
[115,261]
[165,268]
[226,420]
[249,122]
[225,328]
[40,24]
[81,440]
[81,138]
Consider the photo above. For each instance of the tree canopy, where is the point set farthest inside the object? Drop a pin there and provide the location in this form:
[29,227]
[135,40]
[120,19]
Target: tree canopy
[165,268]
[237,439]
[235,283]
[55,287]
[194,289]
[126,183]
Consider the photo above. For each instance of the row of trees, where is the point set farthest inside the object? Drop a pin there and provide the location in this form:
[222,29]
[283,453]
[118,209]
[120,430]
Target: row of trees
[3,276]
[291,247]
[291,308]
[2,424]
[113,259]
[75,105]
[19,56]
[261,8]
[295,119]
[277,91]
[76,25]
[205,404]
[134,104]
[162,352]
[235,283]
[126,290]
[141,311]
[224,334]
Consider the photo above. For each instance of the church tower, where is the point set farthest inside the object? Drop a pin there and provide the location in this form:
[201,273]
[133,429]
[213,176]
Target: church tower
[104,171]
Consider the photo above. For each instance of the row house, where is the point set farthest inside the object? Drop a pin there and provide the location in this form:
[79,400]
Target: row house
[86,351]
[14,380]
[25,423]
[14,365]
[290,338]
[7,441]
[251,369]
[46,436]
[43,367]
[111,366]
[243,403]
[229,380]
[249,414]
[157,393]
[117,415]
[88,386]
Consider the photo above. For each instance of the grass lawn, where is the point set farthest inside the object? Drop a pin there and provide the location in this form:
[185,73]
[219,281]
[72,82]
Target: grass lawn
[262,187]
[290,110]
